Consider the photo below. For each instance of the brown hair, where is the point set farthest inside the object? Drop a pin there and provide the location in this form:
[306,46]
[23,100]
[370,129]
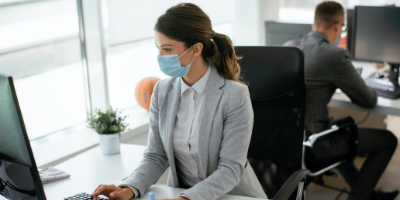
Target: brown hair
[187,23]
[328,13]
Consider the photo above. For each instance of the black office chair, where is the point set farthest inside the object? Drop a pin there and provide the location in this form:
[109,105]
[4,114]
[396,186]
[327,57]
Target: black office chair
[275,77]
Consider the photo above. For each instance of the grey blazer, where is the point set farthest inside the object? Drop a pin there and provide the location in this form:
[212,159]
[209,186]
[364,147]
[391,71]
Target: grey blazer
[225,131]
[326,68]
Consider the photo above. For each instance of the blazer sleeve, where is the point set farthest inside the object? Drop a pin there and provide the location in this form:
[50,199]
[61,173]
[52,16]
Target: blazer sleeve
[154,160]
[237,129]
[345,77]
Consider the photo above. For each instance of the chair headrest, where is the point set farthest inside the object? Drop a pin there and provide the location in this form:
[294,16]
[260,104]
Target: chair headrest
[271,71]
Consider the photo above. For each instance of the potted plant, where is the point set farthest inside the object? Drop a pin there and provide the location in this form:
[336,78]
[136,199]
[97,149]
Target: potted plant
[109,125]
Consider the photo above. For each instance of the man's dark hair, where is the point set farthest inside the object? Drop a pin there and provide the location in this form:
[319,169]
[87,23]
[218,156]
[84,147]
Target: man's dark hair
[328,13]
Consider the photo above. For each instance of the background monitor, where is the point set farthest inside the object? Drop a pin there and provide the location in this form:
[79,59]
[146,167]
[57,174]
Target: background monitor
[349,20]
[376,34]
[278,32]
[19,177]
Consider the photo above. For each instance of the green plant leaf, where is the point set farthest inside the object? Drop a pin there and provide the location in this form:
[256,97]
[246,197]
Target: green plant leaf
[107,122]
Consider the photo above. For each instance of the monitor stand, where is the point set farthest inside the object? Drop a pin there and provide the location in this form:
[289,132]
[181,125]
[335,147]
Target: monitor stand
[394,74]
[387,87]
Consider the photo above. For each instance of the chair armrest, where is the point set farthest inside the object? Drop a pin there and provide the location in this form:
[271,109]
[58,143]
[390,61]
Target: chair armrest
[291,183]
[315,136]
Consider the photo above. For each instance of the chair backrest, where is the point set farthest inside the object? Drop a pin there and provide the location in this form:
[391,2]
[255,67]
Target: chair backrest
[275,77]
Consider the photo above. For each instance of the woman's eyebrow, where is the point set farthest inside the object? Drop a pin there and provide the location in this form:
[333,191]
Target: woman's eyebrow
[166,45]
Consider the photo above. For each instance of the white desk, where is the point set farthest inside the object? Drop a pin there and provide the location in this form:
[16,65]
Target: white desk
[91,168]
[384,106]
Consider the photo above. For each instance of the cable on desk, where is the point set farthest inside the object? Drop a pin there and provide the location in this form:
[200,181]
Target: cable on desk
[364,119]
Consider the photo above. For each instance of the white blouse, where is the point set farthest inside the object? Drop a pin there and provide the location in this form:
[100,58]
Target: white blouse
[187,125]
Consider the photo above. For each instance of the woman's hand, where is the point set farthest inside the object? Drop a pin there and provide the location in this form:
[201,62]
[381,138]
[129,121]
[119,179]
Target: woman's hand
[179,198]
[113,192]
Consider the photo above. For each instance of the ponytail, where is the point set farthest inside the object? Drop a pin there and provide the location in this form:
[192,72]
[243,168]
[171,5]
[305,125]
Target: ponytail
[224,58]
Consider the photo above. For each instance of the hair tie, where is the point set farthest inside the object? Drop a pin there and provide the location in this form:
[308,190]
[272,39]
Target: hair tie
[213,34]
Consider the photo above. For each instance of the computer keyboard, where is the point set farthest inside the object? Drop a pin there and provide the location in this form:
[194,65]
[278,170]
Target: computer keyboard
[83,196]
[383,87]
[380,84]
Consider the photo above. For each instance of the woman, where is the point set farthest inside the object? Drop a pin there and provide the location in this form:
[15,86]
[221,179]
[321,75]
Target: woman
[200,120]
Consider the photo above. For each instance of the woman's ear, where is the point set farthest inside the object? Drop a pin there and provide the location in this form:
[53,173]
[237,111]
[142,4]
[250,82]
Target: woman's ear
[197,49]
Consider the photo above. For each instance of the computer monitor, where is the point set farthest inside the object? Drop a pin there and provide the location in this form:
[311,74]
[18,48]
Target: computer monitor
[19,177]
[376,37]
[349,21]
[279,32]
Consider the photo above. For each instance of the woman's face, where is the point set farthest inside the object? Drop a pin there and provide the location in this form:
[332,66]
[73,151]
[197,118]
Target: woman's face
[168,46]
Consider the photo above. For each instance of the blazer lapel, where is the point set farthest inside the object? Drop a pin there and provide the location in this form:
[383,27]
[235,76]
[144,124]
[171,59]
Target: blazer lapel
[172,108]
[212,97]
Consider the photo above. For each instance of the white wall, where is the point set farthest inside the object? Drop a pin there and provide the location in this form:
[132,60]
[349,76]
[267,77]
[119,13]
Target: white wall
[268,10]
[248,28]
[246,25]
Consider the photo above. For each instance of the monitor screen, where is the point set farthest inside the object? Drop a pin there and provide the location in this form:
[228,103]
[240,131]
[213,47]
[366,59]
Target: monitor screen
[19,178]
[376,34]
[12,141]
[350,19]
[278,32]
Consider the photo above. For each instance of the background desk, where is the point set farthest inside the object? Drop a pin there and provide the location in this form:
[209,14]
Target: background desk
[384,107]
[91,168]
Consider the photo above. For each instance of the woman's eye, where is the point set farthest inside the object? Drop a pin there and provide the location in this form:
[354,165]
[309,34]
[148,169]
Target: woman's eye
[167,50]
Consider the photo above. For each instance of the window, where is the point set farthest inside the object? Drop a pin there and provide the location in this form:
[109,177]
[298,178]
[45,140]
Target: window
[132,55]
[40,48]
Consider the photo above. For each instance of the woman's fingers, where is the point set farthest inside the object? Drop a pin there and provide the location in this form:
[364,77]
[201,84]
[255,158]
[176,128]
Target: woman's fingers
[104,190]
[96,189]
[99,190]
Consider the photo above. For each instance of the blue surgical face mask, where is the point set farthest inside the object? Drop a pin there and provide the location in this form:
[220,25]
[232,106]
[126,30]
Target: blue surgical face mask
[171,65]
[337,41]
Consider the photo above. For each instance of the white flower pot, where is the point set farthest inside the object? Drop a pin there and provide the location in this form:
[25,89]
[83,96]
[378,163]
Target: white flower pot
[110,144]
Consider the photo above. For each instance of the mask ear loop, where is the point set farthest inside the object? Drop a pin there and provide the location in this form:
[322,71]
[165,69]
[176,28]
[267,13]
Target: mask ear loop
[339,29]
[191,61]
[185,52]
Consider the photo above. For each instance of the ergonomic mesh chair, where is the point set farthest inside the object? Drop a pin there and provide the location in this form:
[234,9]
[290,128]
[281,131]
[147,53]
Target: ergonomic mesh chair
[275,77]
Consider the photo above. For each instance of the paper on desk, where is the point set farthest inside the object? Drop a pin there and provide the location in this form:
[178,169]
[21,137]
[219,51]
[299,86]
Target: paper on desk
[52,174]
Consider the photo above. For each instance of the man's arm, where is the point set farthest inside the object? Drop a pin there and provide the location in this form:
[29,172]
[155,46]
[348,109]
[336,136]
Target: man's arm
[345,77]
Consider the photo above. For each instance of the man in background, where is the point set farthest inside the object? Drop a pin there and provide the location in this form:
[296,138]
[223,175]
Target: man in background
[328,67]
